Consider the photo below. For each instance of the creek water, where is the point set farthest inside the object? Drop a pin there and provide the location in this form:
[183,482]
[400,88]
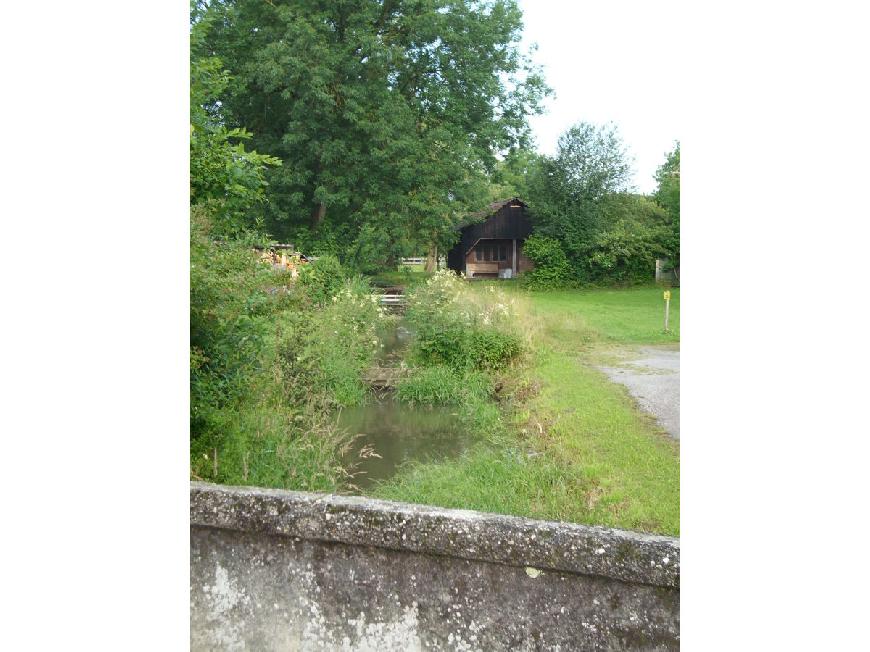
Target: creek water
[398,432]
[394,340]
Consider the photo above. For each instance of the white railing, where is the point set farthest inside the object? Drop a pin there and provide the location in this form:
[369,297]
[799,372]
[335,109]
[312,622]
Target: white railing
[422,261]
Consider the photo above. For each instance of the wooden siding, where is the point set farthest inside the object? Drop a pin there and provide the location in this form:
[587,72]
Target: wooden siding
[488,267]
[509,222]
[524,263]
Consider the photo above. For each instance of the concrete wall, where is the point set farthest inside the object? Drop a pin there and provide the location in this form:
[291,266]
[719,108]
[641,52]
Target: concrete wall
[277,570]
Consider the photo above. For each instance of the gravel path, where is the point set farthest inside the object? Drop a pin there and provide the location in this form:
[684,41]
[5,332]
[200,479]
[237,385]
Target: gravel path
[652,377]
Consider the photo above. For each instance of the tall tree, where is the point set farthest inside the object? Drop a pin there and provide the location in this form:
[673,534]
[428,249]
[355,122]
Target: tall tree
[567,192]
[511,175]
[667,194]
[387,114]
[225,178]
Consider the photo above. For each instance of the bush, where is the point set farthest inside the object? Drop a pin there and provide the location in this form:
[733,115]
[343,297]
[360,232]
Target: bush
[229,314]
[465,348]
[623,255]
[460,328]
[327,351]
[552,269]
[321,280]
[266,364]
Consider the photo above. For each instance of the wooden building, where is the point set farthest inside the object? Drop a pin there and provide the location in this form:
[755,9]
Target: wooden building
[493,248]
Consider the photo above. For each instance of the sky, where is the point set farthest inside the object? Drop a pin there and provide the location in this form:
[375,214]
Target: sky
[609,61]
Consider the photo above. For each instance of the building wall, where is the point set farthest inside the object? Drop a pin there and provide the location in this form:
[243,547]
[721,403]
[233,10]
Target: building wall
[473,266]
[283,570]
[524,263]
[509,222]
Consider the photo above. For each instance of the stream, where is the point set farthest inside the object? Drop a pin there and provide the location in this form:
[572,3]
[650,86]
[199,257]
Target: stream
[400,433]
[390,433]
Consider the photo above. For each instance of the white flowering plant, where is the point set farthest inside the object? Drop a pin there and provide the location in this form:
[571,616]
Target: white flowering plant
[460,326]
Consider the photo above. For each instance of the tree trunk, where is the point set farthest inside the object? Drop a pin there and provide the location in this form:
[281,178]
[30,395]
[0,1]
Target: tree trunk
[317,214]
[432,258]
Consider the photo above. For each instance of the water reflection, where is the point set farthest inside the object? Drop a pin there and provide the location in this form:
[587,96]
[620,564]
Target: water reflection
[399,433]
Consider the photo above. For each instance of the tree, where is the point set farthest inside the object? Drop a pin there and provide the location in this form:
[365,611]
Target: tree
[668,196]
[635,233]
[223,175]
[387,114]
[510,177]
[567,192]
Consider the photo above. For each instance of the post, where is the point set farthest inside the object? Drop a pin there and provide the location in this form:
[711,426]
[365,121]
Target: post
[514,265]
[667,308]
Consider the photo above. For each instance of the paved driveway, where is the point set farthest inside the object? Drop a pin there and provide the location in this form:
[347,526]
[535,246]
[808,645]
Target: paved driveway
[652,376]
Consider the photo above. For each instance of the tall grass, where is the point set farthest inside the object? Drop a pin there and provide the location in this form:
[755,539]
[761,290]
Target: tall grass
[270,357]
[440,385]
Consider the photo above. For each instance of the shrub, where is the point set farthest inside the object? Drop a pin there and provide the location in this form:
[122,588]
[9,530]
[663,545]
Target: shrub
[626,253]
[459,328]
[266,363]
[468,348]
[321,280]
[552,269]
[326,352]
[229,313]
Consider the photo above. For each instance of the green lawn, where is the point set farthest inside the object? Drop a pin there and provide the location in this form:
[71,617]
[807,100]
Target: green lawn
[630,316]
[405,275]
[578,449]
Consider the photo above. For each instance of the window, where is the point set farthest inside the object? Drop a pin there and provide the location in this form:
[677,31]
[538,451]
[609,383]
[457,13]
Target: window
[490,252]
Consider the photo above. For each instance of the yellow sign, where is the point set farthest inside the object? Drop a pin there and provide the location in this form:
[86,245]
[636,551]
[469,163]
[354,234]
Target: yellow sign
[667,295]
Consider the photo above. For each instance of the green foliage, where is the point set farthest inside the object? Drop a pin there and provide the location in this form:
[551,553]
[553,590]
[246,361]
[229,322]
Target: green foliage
[468,348]
[579,201]
[552,269]
[327,350]
[440,385]
[460,328]
[566,191]
[510,177]
[223,174]
[243,430]
[625,251]
[387,115]
[268,444]
[668,196]
[227,322]
[321,279]
[267,364]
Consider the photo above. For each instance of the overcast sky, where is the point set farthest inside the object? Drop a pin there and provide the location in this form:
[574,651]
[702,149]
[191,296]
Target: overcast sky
[609,61]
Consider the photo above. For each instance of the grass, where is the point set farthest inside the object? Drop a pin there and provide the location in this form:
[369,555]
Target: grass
[579,449]
[440,385]
[405,275]
[630,316]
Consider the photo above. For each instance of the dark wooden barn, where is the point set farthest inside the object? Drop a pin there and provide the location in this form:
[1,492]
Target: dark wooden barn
[493,248]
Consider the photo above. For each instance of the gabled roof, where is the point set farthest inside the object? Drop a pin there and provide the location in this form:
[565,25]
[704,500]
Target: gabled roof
[492,209]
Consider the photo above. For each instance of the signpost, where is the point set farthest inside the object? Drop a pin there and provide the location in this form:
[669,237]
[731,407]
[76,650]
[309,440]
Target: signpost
[667,308]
